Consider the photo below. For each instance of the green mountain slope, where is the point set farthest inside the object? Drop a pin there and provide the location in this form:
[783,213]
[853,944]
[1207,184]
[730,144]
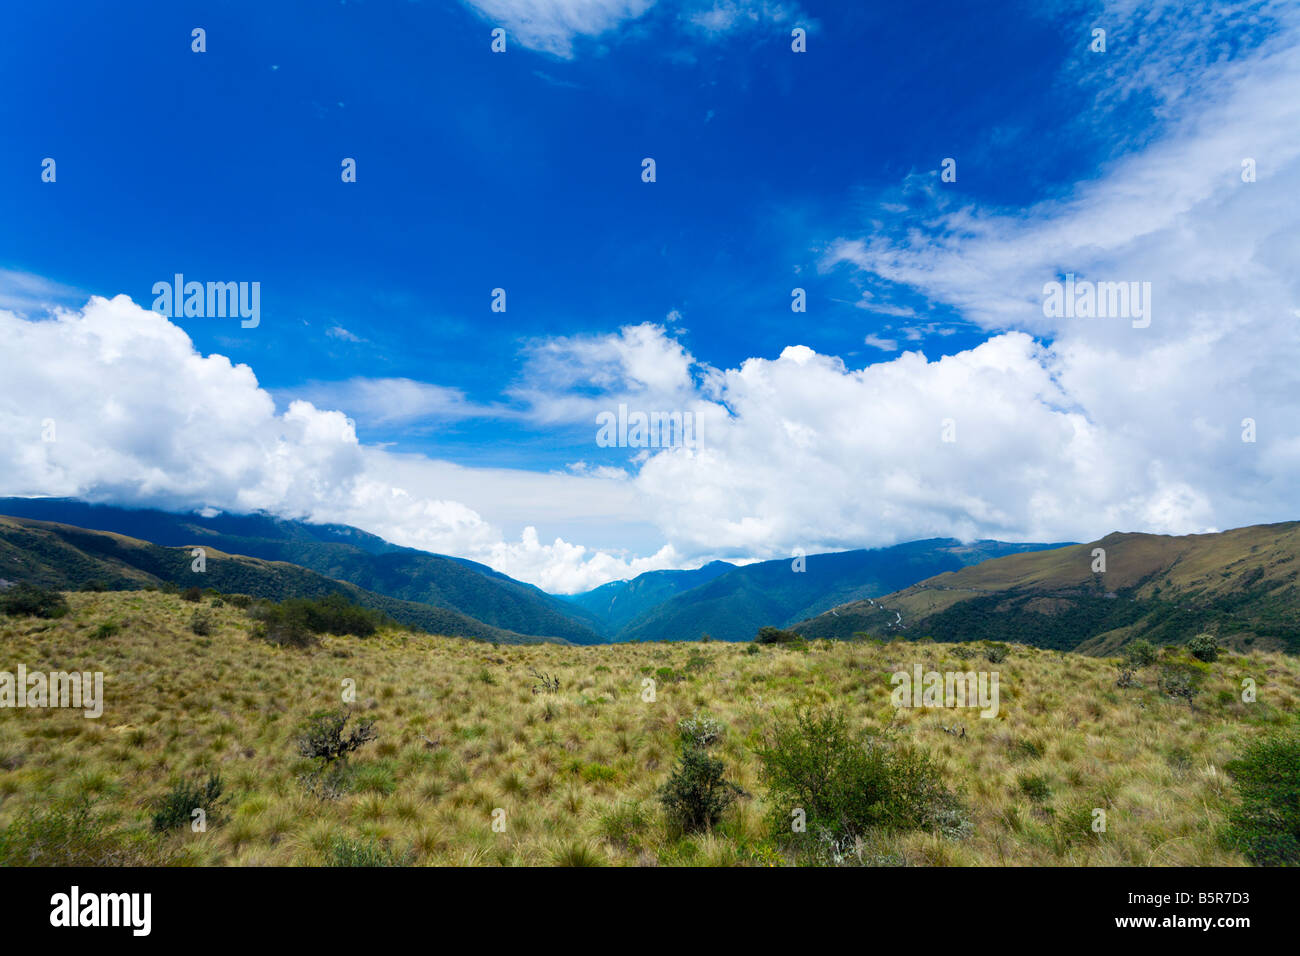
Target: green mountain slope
[343,553]
[68,558]
[735,604]
[1241,585]
[617,604]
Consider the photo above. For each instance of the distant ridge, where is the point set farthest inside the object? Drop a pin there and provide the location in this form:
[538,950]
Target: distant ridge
[734,602]
[340,552]
[1243,585]
[64,557]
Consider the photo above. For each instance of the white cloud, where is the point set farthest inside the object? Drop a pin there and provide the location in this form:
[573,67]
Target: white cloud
[394,401]
[719,17]
[140,417]
[551,26]
[338,332]
[554,26]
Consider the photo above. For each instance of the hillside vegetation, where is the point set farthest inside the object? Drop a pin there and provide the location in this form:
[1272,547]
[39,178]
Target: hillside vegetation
[1241,585]
[562,745]
[733,605]
[340,552]
[59,556]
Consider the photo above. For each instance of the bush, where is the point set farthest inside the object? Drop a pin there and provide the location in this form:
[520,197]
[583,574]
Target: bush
[73,836]
[1140,653]
[847,782]
[697,794]
[1266,826]
[193,595]
[26,600]
[177,808]
[774,635]
[201,623]
[700,730]
[321,736]
[996,653]
[1035,787]
[1204,647]
[297,621]
[106,630]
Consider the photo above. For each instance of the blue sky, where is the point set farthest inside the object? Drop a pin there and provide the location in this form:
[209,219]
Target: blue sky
[522,171]
[519,171]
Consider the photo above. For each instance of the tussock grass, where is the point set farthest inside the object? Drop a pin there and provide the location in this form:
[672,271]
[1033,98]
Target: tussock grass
[571,776]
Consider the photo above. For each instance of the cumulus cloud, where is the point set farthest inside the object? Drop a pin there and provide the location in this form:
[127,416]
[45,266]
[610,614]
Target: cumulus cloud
[113,403]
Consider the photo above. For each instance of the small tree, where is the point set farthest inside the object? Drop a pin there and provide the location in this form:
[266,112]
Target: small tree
[1204,647]
[775,635]
[697,793]
[996,653]
[322,737]
[1140,653]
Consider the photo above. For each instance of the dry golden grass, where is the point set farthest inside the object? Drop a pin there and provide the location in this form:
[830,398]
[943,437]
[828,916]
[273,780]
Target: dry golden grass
[462,734]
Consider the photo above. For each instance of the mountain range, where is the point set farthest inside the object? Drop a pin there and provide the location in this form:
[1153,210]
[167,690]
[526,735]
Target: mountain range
[1239,584]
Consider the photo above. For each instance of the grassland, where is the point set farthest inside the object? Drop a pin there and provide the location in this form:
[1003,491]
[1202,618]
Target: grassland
[462,733]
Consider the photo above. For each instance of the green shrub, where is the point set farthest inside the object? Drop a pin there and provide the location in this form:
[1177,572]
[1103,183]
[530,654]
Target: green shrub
[697,793]
[996,653]
[201,623]
[105,630]
[321,735]
[297,621]
[846,781]
[1265,827]
[774,635]
[177,808]
[1140,653]
[74,836]
[25,600]
[194,595]
[1035,787]
[1204,647]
